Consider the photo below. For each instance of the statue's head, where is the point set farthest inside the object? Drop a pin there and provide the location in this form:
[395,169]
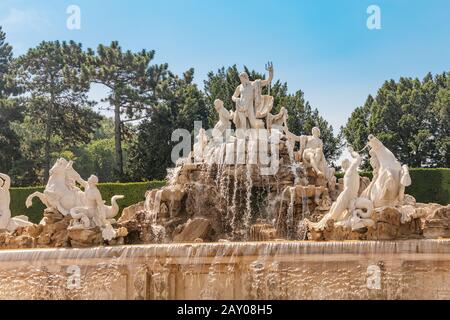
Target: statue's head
[316,132]
[243,76]
[59,166]
[373,142]
[218,104]
[345,164]
[93,180]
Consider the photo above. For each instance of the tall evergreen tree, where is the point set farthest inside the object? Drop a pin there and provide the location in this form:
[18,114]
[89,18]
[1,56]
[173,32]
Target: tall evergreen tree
[180,104]
[10,109]
[131,81]
[56,86]
[411,117]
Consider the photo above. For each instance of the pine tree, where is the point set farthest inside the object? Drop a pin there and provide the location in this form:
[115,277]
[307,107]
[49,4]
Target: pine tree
[10,109]
[180,104]
[56,95]
[132,82]
[411,117]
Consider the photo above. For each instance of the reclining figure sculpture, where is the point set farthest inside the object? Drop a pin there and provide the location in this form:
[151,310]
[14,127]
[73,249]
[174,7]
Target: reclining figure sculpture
[7,222]
[348,209]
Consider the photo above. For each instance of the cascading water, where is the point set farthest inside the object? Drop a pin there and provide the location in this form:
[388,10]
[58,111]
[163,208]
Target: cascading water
[269,270]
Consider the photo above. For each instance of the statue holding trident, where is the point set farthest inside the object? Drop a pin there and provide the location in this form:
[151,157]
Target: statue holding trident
[251,105]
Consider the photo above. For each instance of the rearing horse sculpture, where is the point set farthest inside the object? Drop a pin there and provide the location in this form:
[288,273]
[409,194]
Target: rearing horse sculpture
[61,192]
[390,179]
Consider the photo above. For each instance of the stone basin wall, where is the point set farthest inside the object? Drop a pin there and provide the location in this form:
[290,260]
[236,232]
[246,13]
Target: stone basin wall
[409,269]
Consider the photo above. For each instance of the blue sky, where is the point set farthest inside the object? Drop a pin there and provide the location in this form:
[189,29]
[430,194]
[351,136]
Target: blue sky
[321,47]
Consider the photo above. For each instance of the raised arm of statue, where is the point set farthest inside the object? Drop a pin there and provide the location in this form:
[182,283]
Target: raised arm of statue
[356,159]
[269,80]
[6,181]
[269,68]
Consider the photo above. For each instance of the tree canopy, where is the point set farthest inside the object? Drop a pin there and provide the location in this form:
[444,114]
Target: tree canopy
[411,117]
[45,112]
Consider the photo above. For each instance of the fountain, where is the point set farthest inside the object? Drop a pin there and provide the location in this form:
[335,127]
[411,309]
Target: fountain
[246,215]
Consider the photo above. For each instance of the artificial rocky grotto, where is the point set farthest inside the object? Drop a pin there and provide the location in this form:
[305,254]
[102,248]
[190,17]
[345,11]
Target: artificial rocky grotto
[257,183]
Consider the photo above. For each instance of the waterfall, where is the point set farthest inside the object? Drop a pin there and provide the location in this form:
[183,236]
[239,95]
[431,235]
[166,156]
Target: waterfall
[244,270]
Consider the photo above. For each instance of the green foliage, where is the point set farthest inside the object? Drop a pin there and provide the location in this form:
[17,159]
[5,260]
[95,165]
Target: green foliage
[55,90]
[181,103]
[10,110]
[133,192]
[132,83]
[430,185]
[411,117]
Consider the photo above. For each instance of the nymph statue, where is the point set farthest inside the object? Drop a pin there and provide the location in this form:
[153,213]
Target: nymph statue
[220,129]
[251,105]
[311,151]
[347,204]
[278,121]
[6,221]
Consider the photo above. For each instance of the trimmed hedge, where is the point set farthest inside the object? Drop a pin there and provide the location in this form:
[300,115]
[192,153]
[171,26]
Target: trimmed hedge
[430,185]
[133,192]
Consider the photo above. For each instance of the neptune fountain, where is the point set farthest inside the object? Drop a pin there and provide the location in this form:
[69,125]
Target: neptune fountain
[255,212]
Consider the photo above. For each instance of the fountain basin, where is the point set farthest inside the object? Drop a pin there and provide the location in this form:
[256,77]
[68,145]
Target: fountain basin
[408,269]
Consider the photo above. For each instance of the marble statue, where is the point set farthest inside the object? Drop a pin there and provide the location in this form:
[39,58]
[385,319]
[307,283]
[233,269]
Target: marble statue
[200,146]
[224,124]
[348,208]
[61,192]
[251,105]
[278,121]
[95,213]
[6,221]
[390,177]
[311,153]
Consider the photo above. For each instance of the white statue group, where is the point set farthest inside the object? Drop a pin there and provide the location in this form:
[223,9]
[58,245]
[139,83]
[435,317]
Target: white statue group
[387,188]
[389,177]
[6,221]
[252,108]
[86,208]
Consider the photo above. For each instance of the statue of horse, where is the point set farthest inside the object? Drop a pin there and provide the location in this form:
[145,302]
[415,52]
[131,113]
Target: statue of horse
[61,192]
[390,178]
